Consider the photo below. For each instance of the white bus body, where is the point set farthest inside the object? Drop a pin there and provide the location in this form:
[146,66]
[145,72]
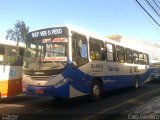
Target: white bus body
[65,62]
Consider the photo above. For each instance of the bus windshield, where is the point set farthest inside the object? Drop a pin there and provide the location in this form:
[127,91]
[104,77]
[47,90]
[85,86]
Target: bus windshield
[46,54]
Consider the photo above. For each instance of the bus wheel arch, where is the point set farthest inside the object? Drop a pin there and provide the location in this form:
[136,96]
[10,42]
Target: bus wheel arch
[96,88]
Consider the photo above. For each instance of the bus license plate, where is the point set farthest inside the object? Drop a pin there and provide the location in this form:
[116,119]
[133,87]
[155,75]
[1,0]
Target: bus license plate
[39,91]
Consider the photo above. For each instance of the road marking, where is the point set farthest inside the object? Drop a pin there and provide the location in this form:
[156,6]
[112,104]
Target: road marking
[11,105]
[118,105]
[40,110]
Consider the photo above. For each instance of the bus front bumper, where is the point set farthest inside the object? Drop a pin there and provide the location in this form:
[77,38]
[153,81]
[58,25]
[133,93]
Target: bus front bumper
[52,91]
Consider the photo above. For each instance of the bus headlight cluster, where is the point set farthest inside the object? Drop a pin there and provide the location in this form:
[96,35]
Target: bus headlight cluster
[62,82]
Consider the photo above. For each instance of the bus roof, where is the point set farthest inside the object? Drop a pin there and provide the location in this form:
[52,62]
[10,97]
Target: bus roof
[88,34]
[11,43]
[103,38]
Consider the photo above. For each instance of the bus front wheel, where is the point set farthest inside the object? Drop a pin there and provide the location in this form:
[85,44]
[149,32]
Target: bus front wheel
[96,90]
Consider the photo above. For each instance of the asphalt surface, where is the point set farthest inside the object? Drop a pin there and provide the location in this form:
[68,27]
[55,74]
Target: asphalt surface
[114,105]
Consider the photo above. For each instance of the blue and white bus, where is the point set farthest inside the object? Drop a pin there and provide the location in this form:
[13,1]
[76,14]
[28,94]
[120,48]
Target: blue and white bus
[67,63]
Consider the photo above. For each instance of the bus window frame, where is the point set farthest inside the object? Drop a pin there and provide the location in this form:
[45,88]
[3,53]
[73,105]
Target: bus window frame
[122,60]
[141,59]
[78,60]
[129,59]
[137,57]
[108,52]
[146,60]
[2,54]
[97,54]
[17,58]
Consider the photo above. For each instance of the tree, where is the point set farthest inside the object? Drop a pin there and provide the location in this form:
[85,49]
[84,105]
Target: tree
[18,33]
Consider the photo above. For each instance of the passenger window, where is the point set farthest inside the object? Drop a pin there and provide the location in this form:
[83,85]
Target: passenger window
[2,52]
[19,58]
[141,58]
[146,61]
[110,52]
[96,49]
[120,54]
[129,57]
[135,57]
[83,50]
[11,54]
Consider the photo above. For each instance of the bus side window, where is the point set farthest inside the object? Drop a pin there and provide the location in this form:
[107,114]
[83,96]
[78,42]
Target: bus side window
[79,50]
[120,54]
[110,52]
[21,51]
[135,57]
[96,52]
[146,61]
[11,55]
[129,56]
[141,61]
[2,52]
[19,58]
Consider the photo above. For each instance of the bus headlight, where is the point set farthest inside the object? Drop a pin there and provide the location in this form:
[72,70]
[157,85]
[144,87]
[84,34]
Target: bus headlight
[62,82]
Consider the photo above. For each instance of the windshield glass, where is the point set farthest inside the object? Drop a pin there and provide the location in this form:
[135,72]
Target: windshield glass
[48,54]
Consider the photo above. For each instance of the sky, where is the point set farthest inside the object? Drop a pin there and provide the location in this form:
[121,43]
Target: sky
[103,17]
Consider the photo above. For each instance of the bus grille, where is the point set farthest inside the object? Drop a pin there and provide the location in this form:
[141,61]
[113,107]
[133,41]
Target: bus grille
[39,78]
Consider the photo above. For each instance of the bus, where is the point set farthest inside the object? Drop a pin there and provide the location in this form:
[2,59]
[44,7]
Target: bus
[10,68]
[65,62]
[155,71]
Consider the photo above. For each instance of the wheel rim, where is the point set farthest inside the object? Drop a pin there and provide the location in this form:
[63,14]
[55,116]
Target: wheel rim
[96,90]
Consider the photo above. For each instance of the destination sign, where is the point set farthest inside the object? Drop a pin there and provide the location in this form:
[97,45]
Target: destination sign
[54,40]
[54,59]
[48,33]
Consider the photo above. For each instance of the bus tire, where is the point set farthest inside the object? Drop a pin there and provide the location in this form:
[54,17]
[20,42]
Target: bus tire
[136,83]
[96,90]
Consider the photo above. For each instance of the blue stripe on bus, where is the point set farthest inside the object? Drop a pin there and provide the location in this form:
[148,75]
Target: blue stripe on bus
[82,82]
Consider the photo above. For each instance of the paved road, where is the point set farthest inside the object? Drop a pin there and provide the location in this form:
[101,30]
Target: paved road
[115,105]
